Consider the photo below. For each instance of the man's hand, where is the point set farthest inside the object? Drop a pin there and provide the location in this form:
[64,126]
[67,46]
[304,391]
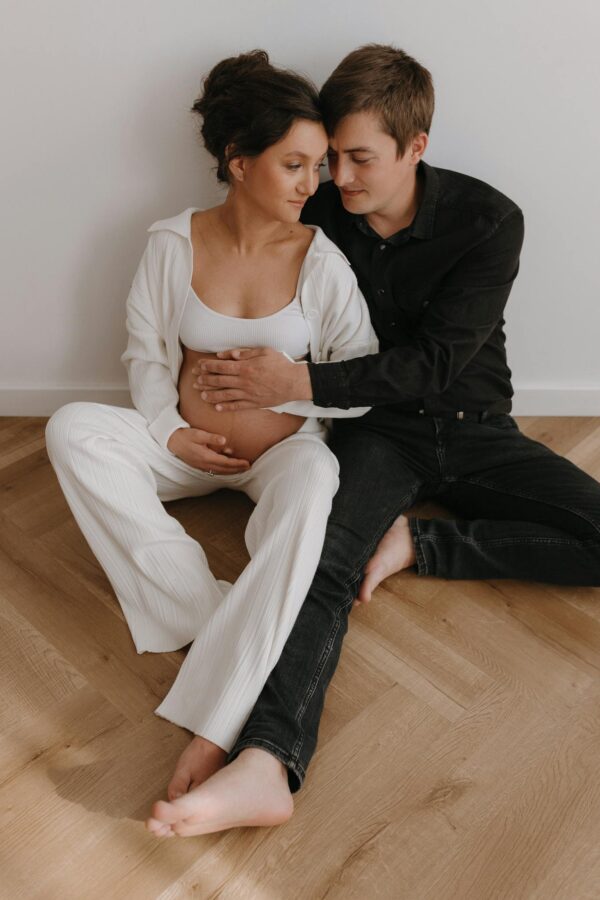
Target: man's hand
[251,379]
[205,451]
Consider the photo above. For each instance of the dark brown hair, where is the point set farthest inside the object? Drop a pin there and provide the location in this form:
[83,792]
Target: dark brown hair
[247,105]
[387,81]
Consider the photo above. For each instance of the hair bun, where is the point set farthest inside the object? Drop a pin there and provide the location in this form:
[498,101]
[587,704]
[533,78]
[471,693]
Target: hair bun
[230,72]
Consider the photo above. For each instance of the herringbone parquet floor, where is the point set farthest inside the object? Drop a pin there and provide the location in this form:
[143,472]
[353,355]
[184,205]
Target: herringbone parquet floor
[459,752]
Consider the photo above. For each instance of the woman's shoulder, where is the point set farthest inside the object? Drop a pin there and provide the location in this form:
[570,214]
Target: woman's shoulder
[324,248]
[327,276]
[180,224]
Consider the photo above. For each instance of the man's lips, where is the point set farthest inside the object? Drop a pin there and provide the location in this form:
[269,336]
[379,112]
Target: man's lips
[351,193]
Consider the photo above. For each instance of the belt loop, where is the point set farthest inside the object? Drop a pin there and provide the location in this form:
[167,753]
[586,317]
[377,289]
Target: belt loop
[460,414]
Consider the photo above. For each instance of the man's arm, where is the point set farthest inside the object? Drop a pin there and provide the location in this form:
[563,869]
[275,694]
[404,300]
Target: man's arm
[458,320]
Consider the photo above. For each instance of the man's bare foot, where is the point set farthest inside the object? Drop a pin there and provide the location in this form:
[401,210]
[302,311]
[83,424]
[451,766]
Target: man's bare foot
[199,760]
[395,551]
[252,790]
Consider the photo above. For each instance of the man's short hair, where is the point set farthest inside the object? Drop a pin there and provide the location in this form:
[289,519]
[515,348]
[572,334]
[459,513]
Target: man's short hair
[382,79]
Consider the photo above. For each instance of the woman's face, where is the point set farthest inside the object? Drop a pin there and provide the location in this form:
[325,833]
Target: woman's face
[281,179]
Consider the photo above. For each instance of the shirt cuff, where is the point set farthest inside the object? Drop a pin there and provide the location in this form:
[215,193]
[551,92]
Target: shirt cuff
[330,384]
[165,424]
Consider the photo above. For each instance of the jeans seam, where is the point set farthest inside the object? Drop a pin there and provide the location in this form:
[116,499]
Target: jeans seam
[414,526]
[295,754]
[499,542]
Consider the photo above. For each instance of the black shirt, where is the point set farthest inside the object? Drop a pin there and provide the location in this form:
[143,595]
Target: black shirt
[436,291]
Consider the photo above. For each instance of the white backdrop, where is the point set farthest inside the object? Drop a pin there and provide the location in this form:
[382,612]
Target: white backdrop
[97,143]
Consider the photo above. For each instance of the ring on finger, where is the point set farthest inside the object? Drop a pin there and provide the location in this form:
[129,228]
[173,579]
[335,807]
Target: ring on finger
[211,473]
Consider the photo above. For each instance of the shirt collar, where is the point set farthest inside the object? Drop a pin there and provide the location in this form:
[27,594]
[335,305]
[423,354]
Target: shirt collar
[422,225]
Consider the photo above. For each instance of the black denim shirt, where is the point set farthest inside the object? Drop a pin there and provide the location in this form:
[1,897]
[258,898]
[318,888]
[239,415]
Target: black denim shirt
[436,292]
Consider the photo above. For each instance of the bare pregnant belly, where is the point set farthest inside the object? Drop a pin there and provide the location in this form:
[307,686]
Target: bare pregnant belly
[249,432]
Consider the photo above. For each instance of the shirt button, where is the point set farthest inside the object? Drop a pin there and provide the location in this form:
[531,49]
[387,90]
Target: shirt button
[382,246]
[381,290]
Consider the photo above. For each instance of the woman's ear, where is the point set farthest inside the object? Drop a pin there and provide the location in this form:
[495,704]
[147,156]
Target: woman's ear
[235,164]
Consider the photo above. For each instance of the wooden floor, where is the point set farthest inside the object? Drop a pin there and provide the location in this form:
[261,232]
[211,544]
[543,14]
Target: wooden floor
[459,753]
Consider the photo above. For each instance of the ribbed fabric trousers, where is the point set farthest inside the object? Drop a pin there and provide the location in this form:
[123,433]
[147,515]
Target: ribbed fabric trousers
[115,476]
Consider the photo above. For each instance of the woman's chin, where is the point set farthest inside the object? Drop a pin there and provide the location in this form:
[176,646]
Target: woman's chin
[293,215]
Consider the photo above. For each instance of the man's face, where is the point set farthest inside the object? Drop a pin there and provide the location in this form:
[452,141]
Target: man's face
[365,165]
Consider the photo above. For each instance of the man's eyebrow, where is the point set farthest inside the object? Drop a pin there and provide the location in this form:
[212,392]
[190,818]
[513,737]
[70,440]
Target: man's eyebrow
[354,150]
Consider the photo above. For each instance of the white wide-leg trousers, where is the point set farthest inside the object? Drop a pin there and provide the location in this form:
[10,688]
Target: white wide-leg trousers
[115,476]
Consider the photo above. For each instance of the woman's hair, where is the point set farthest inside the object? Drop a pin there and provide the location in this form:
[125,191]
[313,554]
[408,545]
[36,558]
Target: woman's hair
[247,105]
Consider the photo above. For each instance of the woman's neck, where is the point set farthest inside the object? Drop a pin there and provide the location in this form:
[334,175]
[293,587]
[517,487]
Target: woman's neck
[248,229]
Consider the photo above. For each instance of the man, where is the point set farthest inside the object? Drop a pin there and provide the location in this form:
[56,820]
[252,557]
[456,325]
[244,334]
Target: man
[435,253]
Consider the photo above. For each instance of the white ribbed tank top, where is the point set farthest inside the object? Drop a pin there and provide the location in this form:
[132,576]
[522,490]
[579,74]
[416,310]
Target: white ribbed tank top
[206,330]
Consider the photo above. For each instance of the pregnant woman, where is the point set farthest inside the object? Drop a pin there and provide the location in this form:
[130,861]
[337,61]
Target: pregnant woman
[246,273]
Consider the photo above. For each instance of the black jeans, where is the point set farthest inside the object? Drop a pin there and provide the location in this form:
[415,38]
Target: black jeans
[524,512]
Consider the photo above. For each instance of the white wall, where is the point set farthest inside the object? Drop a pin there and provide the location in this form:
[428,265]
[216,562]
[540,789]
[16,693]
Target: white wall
[97,143]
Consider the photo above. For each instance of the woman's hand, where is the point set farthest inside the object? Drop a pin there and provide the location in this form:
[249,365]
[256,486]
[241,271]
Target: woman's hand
[205,451]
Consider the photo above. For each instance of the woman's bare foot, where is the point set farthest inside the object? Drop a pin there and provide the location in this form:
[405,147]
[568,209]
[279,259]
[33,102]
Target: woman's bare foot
[252,790]
[199,760]
[395,551]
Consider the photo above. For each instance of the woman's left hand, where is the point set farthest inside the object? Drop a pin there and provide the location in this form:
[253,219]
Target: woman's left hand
[251,379]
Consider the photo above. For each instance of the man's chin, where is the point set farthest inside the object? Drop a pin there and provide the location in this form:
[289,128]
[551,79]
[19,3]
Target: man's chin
[355,203]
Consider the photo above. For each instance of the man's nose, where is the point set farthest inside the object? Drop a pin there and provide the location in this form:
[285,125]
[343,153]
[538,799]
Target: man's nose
[341,172]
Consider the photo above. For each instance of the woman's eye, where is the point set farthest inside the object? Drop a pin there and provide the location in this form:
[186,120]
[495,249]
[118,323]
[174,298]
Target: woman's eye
[293,166]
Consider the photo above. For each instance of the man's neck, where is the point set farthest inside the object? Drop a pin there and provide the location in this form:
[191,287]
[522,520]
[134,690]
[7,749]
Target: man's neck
[399,212]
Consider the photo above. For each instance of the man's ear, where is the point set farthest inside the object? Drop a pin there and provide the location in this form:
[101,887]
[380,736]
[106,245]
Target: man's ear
[418,146]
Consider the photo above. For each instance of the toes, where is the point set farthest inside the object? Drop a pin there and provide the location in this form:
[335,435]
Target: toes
[364,595]
[167,813]
[183,830]
[179,784]
[370,582]
[159,829]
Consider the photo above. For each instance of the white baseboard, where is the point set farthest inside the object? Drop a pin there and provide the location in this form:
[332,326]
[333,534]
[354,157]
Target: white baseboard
[527,401]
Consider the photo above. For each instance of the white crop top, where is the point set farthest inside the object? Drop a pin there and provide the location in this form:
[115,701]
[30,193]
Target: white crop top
[204,329]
